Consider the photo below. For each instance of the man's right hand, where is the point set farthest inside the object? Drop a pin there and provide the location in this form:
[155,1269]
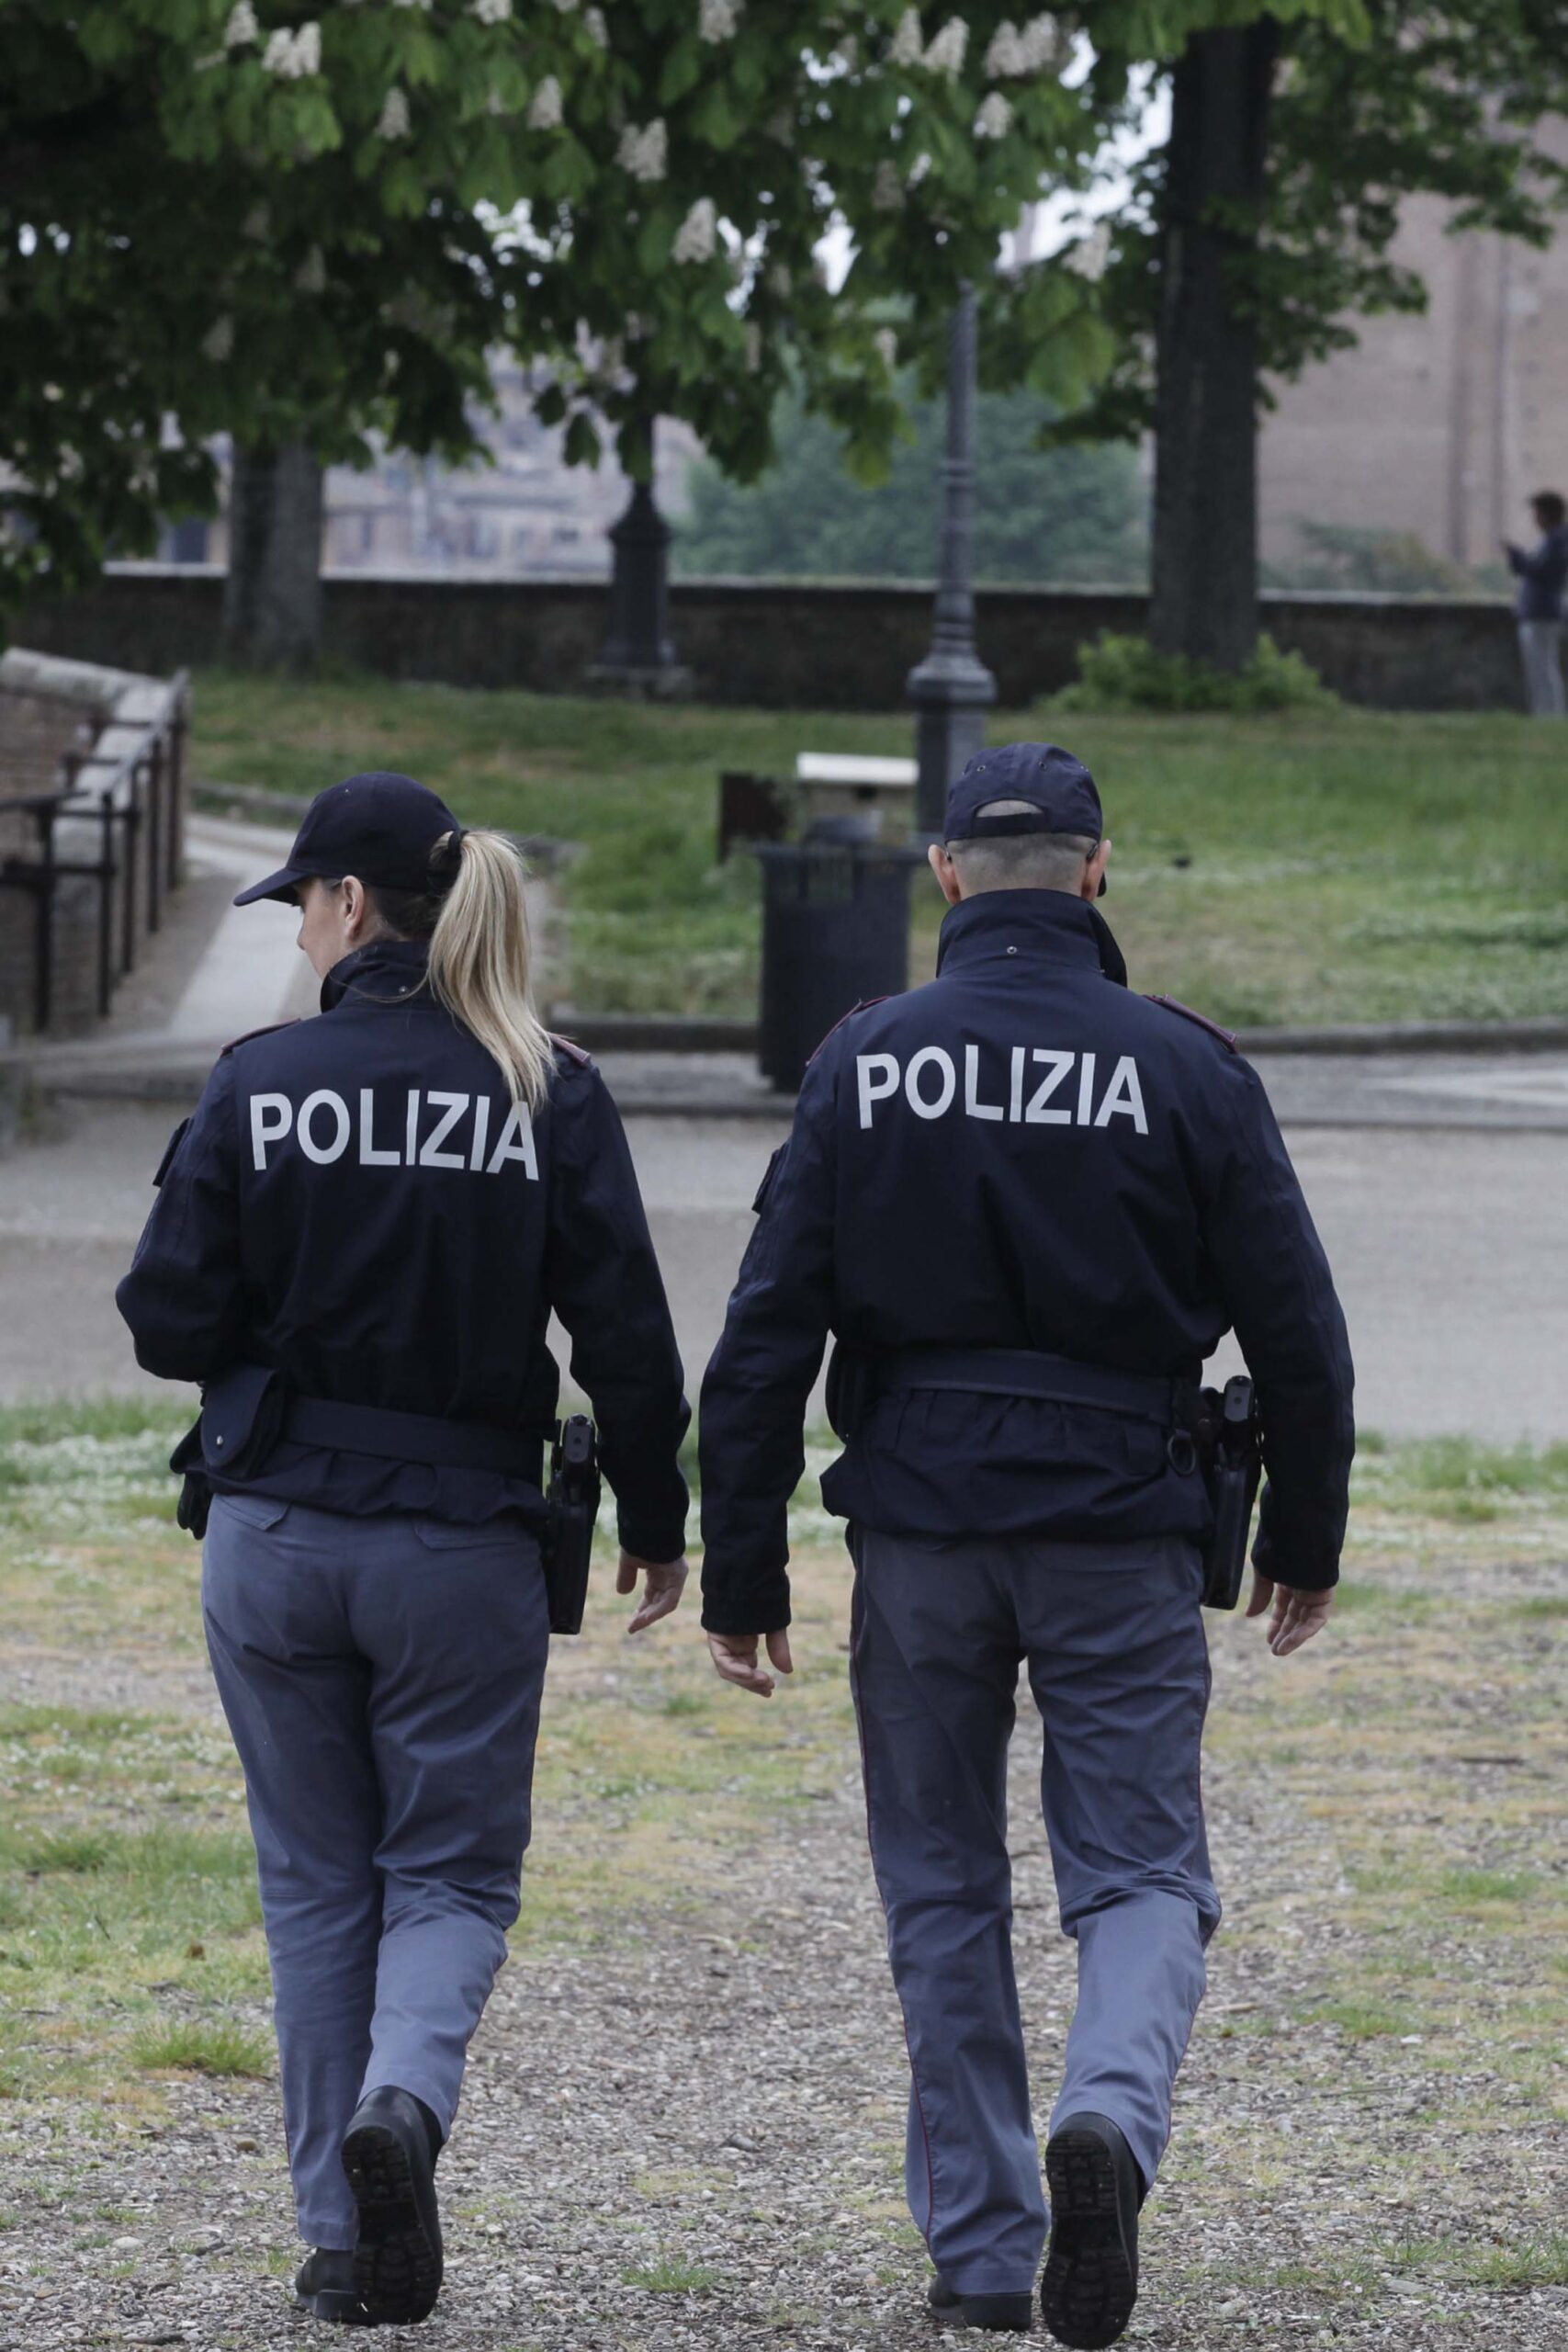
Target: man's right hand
[1297,1616]
[735,1657]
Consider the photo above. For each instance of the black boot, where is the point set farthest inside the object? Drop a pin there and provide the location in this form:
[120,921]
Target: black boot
[1008,2314]
[323,2286]
[1092,2265]
[389,2154]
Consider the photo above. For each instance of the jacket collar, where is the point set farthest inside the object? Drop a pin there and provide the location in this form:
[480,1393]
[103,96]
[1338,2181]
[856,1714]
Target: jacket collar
[385,971]
[1046,925]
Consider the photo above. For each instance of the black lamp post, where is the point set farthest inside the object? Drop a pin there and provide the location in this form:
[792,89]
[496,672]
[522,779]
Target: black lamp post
[637,657]
[951,689]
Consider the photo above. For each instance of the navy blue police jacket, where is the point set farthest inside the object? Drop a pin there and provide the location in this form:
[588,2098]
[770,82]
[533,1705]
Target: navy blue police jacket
[358,1203]
[1023,1154]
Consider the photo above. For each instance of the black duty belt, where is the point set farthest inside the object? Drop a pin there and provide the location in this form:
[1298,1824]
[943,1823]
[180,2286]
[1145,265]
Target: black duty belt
[1020,1372]
[413,1437]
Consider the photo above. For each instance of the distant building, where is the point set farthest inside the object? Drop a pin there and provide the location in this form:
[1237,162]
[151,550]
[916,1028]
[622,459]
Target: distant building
[1437,428]
[1442,425]
[529,511]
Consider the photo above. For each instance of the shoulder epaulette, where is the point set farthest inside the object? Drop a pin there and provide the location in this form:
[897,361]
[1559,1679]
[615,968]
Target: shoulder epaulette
[266,1030]
[1227,1037]
[567,1046]
[863,1006]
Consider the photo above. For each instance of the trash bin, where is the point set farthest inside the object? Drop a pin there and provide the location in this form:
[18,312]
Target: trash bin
[835,933]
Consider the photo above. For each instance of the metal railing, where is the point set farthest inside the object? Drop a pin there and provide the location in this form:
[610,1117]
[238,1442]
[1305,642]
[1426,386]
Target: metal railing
[128,809]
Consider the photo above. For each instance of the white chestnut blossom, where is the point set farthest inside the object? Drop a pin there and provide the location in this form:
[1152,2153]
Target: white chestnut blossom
[69,466]
[887,187]
[241,25]
[847,54]
[948,48]
[994,120]
[644,154]
[1046,43]
[698,233]
[1005,53]
[1088,257]
[294,57]
[718,19]
[425,6]
[218,342]
[394,120]
[780,125]
[491,12]
[886,343]
[908,43]
[311,276]
[566,7]
[918,171]
[1041,44]
[753,347]
[594,25]
[546,112]
[495,103]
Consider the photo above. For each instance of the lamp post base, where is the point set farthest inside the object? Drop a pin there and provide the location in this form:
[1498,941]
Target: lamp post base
[951,692]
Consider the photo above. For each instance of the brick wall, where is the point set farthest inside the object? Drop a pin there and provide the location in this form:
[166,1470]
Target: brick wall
[779,644]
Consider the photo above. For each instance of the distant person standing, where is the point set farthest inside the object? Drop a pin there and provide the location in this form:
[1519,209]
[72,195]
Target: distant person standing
[1542,572]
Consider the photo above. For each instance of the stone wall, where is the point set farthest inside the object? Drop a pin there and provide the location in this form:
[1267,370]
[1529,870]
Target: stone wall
[804,645]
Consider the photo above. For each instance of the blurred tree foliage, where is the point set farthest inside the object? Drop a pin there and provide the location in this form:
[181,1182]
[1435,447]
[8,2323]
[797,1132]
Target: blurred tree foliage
[1071,515]
[1350,557]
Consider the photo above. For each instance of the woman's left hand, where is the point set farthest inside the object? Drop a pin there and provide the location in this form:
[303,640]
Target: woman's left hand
[664,1583]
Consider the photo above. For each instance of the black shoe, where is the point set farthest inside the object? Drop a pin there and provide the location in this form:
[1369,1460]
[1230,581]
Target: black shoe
[1011,2314]
[323,2286]
[1092,2265]
[389,2153]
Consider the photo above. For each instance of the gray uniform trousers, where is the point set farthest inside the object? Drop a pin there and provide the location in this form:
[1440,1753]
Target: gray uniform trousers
[1118,1665]
[381,1677]
[1540,650]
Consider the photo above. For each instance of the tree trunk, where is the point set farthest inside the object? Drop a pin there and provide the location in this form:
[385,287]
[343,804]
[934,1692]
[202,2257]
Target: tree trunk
[1204,588]
[272,599]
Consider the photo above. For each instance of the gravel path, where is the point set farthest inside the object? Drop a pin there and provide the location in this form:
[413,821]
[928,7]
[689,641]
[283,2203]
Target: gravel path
[685,2131]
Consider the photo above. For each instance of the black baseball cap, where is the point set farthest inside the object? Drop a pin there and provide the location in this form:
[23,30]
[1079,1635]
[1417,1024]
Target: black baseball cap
[381,826]
[1059,790]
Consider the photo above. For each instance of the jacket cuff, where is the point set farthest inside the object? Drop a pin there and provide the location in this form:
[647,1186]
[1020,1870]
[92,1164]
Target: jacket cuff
[659,1540]
[764,1609]
[1314,1576]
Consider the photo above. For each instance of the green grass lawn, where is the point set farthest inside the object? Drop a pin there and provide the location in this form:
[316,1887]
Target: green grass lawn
[1357,866]
[1373,2100]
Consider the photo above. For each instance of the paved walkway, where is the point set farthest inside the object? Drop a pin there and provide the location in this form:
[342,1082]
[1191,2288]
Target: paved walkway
[1451,1247]
[1440,1181]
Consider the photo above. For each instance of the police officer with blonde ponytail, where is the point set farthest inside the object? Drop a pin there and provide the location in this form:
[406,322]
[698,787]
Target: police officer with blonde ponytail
[357,1243]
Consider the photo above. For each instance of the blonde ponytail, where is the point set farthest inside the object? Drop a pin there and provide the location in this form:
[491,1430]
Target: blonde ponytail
[480,961]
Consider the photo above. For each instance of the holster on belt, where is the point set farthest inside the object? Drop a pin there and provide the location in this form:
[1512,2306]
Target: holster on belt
[1225,1429]
[566,1545]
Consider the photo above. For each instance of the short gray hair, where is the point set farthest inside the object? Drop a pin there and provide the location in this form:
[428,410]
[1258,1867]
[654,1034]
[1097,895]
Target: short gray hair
[1020,860]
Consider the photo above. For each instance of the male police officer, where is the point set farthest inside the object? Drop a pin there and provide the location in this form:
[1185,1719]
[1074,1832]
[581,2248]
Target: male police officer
[1029,1203]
